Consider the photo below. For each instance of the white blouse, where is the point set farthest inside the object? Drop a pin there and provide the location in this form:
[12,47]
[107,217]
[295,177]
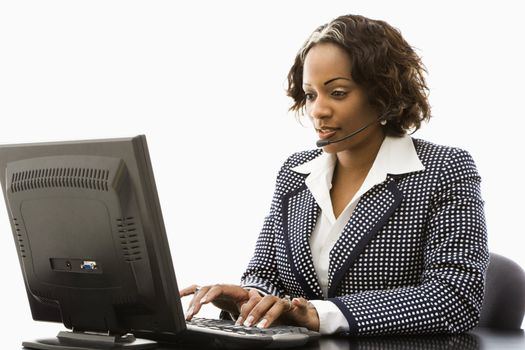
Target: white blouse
[396,155]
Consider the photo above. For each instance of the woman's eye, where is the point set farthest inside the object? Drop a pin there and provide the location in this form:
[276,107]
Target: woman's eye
[309,96]
[339,93]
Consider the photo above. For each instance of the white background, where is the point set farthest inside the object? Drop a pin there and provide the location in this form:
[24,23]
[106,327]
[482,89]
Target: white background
[205,81]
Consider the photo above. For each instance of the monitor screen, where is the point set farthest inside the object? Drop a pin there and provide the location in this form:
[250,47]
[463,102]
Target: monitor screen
[87,224]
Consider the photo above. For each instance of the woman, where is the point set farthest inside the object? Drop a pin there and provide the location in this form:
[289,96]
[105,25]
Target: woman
[377,233]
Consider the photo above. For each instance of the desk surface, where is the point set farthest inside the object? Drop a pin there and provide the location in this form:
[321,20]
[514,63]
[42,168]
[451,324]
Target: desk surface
[479,338]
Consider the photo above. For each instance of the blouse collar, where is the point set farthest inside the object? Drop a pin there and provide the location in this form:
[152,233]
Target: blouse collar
[396,156]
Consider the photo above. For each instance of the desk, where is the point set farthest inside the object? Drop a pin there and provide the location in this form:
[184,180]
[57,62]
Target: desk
[480,338]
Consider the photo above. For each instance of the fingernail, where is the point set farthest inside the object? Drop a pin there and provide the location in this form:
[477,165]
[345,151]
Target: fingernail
[239,321]
[248,322]
[262,324]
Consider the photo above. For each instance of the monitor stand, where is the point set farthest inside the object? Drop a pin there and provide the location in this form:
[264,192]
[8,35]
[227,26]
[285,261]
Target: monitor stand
[90,341]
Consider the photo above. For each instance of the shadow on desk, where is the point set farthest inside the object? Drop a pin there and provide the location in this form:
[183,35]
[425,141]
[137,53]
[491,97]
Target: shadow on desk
[479,338]
[435,342]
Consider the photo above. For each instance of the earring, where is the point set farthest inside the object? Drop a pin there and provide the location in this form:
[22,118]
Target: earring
[383,122]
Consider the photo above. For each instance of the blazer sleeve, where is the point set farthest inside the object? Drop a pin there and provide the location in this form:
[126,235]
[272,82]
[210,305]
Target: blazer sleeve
[261,272]
[450,294]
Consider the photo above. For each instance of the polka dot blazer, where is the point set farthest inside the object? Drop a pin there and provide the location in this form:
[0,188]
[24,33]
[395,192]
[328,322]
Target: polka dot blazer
[411,259]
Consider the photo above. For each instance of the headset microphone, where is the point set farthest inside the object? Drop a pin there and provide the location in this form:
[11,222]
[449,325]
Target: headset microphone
[322,143]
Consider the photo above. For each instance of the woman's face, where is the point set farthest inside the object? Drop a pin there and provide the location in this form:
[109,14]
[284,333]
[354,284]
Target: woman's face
[336,105]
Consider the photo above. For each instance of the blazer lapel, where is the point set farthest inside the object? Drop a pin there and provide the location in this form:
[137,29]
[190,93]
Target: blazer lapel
[371,213]
[300,213]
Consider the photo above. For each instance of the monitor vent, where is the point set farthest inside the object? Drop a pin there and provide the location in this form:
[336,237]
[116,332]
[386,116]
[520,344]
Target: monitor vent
[129,239]
[19,238]
[88,178]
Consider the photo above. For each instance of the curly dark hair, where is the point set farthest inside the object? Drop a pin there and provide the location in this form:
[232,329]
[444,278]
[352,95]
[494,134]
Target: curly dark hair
[382,62]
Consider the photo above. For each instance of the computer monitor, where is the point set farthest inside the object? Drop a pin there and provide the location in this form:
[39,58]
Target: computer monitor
[91,241]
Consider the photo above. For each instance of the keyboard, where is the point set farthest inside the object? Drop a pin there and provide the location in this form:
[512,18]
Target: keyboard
[225,333]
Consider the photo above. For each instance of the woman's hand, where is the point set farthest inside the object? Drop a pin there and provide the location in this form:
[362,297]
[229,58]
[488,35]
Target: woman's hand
[270,309]
[253,309]
[227,297]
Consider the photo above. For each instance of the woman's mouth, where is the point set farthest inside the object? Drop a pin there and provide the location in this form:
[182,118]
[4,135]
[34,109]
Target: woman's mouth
[326,133]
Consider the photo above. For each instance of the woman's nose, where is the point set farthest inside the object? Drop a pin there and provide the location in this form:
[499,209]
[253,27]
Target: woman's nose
[319,109]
